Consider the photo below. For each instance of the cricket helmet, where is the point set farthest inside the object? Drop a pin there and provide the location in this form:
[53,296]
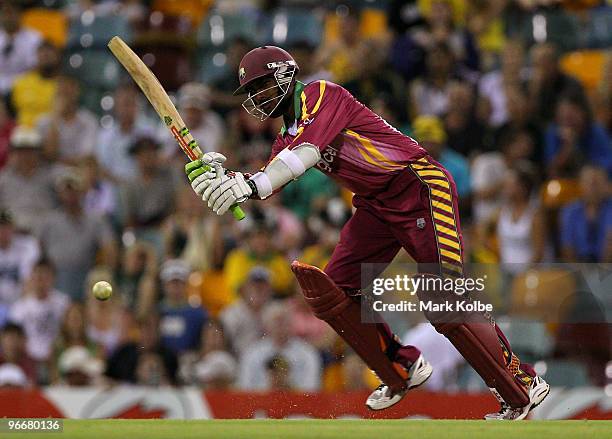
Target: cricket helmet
[261,62]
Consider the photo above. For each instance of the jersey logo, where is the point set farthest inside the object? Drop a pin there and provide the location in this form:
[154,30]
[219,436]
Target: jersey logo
[327,159]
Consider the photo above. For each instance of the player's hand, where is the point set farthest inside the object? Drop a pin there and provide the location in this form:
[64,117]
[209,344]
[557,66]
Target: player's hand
[203,171]
[226,190]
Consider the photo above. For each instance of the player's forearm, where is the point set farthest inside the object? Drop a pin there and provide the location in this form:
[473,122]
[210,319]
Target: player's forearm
[288,165]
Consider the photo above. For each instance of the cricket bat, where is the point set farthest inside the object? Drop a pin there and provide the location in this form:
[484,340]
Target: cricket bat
[161,102]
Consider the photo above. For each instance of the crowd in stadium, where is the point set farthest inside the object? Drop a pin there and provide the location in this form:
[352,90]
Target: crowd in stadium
[514,98]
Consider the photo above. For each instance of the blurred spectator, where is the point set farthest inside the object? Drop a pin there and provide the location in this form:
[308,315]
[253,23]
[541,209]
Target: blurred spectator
[73,332]
[250,139]
[73,258]
[69,131]
[289,230]
[304,54]
[7,125]
[547,83]
[242,321]
[216,369]
[18,45]
[258,250]
[222,99]
[465,132]
[519,112]
[151,370]
[575,139]
[101,197]
[488,171]
[148,198]
[442,27]
[586,225]
[305,325]
[308,193]
[304,363]
[327,236]
[18,253]
[78,367]
[115,139]
[342,56]
[429,94]
[40,312]
[180,322]
[126,364]
[137,278]
[26,176]
[372,79]
[493,86]
[430,134]
[13,351]
[191,233]
[485,22]
[105,319]
[205,125]
[440,352]
[521,228]
[12,377]
[33,92]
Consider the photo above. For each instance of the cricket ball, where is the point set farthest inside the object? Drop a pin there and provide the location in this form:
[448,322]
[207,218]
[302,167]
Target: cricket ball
[102,290]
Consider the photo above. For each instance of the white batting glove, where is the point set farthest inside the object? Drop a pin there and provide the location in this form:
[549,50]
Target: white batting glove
[226,190]
[199,177]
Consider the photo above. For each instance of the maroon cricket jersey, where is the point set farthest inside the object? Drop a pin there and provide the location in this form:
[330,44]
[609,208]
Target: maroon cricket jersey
[359,149]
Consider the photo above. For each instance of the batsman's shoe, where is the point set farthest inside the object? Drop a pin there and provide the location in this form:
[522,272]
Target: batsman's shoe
[382,397]
[538,390]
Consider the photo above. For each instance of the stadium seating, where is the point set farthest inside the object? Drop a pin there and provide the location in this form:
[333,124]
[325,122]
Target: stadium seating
[217,30]
[544,294]
[565,373]
[95,68]
[90,31]
[530,339]
[286,27]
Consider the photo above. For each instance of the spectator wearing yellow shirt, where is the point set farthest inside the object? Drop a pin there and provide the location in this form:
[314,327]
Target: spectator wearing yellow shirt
[258,250]
[33,92]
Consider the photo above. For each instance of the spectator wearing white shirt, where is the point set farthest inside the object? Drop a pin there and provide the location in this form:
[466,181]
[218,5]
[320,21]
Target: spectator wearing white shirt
[69,132]
[18,253]
[114,141]
[41,311]
[18,46]
[205,125]
[302,360]
[26,186]
[242,320]
[73,238]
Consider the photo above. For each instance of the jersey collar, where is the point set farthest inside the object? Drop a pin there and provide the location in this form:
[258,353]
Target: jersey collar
[297,104]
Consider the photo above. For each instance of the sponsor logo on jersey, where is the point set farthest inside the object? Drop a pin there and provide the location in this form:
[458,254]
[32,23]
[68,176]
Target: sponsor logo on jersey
[327,159]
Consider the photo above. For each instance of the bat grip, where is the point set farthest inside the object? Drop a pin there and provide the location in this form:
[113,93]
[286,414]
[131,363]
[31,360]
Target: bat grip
[236,210]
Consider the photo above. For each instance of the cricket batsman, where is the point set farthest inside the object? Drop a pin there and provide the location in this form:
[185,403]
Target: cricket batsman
[403,199]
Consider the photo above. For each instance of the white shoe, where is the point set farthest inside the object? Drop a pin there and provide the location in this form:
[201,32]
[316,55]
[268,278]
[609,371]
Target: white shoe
[538,390]
[382,398]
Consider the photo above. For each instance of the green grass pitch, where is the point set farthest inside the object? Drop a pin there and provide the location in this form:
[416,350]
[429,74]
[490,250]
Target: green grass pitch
[367,429]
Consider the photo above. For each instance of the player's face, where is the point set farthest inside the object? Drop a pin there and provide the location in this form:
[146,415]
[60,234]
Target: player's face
[264,93]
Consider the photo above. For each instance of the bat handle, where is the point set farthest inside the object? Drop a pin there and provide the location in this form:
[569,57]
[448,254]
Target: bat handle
[236,210]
